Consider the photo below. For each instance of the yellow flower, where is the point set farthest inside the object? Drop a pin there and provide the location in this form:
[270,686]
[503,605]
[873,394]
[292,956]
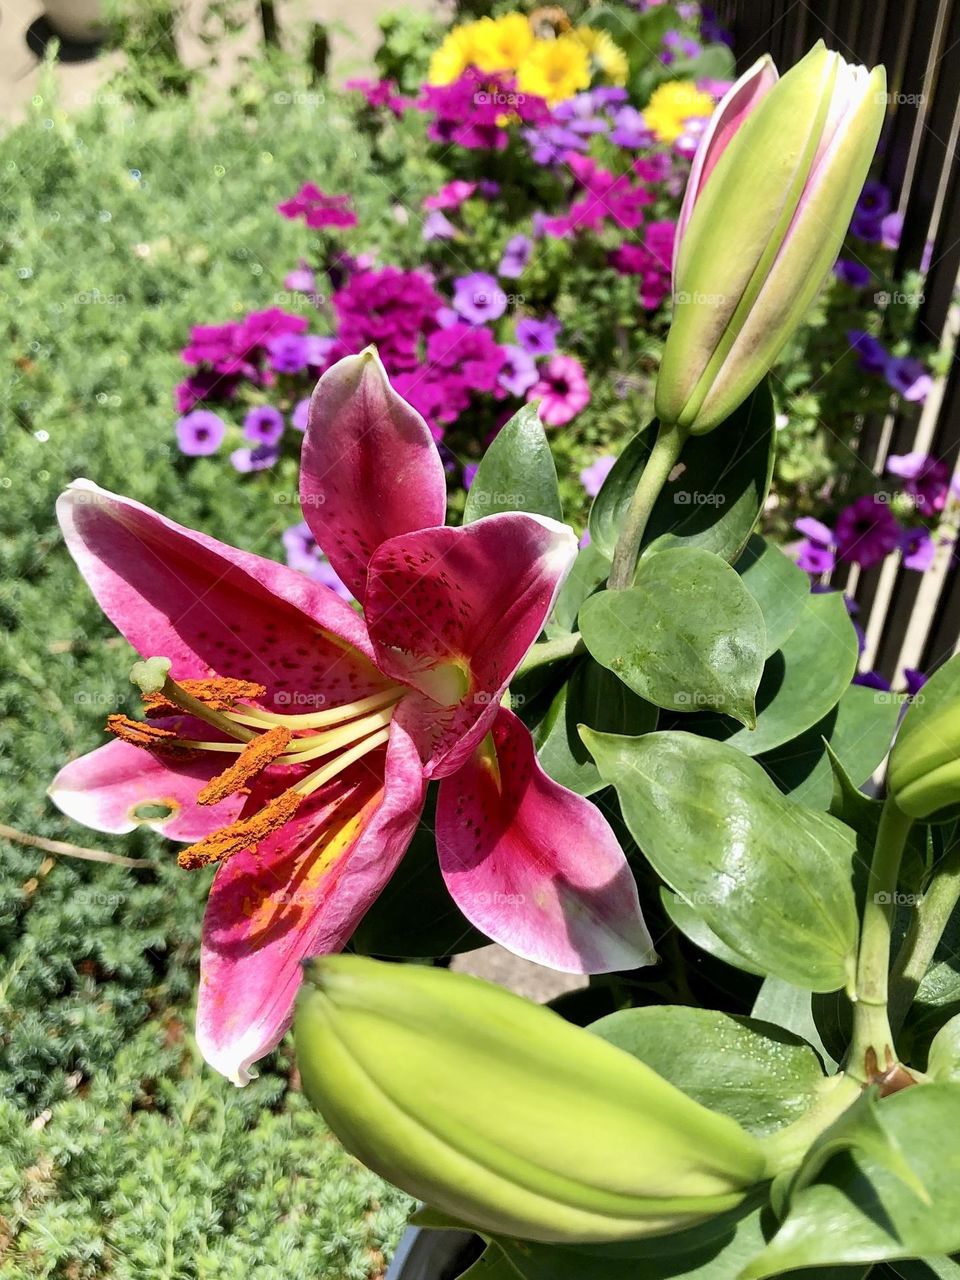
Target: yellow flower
[604,52]
[502,44]
[457,52]
[555,69]
[672,104]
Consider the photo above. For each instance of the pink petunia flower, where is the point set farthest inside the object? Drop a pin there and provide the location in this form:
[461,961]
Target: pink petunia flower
[320,727]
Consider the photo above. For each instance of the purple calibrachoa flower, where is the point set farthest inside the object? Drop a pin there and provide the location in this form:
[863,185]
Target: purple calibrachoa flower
[264,424]
[908,377]
[918,549]
[914,680]
[925,478]
[539,337]
[301,280]
[260,458]
[478,297]
[855,274]
[891,230]
[320,805]
[563,390]
[866,532]
[872,355]
[630,130]
[288,353]
[519,371]
[200,432]
[303,554]
[298,419]
[592,477]
[516,255]
[872,680]
[816,553]
[437,226]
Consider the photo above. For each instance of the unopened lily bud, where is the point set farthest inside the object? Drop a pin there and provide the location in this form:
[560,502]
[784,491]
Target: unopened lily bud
[769,200]
[924,772]
[497,1112]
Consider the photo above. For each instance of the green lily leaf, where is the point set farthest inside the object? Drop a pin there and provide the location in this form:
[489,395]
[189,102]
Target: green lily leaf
[769,877]
[692,926]
[517,472]
[942,1268]
[712,499]
[415,917]
[858,731]
[860,1209]
[595,697]
[754,1072]
[779,586]
[791,1008]
[687,634]
[943,1062]
[801,682]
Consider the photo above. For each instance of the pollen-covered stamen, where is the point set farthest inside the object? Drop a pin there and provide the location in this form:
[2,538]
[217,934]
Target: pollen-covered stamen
[254,758]
[141,734]
[152,678]
[219,693]
[244,834]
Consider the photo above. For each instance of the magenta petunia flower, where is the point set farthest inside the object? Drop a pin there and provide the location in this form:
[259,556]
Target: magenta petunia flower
[380,93]
[452,196]
[592,477]
[390,308]
[866,532]
[200,432]
[563,390]
[318,209]
[472,111]
[263,424]
[322,727]
[478,297]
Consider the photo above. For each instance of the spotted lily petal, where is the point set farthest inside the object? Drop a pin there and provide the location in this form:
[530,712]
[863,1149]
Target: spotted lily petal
[369,470]
[535,866]
[209,607]
[116,788]
[452,612]
[300,893]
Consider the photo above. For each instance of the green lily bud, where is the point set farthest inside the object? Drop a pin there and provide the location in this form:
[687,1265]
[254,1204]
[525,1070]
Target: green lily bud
[500,1114]
[769,199]
[924,771]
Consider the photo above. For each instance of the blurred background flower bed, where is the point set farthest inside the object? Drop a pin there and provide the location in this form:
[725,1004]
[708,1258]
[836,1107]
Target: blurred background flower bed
[494,209]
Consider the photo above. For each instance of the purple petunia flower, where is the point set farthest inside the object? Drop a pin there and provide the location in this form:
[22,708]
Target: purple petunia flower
[303,554]
[200,433]
[630,129]
[873,355]
[855,274]
[298,419]
[519,371]
[925,478]
[874,200]
[891,229]
[478,298]
[908,377]
[872,680]
[866,226]
[539,337]
[914,680]
[866,532]
[437,226]
[470,470]
[592,477]
[288,353]
[259,458]
[918,549]
[516,255]
[263,424]
[815,555]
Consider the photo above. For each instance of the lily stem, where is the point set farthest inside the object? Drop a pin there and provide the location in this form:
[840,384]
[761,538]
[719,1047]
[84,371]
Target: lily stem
[930,918]
[872,1050]
[663,458]
[555,650]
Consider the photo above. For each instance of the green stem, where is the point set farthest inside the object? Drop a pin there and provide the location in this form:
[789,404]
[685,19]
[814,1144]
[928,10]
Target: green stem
[872,1050]
[663,458]
[555,650]
[930,918]
[785,1148]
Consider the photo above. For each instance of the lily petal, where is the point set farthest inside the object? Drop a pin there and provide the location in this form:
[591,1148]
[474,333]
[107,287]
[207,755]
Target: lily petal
[301,893]
[115,787]
[369,469]
[453,612]
[209,607]
[534,866]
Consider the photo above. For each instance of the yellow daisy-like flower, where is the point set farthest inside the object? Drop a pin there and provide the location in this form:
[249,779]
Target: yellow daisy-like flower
[501,44]
[604,52]
[457,52]
[672,104]
[555,69]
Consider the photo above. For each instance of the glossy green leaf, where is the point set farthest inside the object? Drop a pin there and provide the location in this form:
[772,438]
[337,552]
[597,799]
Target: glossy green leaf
[714,494]
[859,1210]
[414,917]
[693,926]
[859,730]
[791,1008]
[687,634]
[942,1268]
[517,473]
[593,696]
[801,682]
[771,878]
[778,585]
[756,1073]
[944,1060]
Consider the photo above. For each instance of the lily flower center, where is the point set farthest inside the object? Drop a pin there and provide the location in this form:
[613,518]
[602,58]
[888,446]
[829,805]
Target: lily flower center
[254,740]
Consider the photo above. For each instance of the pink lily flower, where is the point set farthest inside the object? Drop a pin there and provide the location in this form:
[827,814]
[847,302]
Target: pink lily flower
[293,738]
